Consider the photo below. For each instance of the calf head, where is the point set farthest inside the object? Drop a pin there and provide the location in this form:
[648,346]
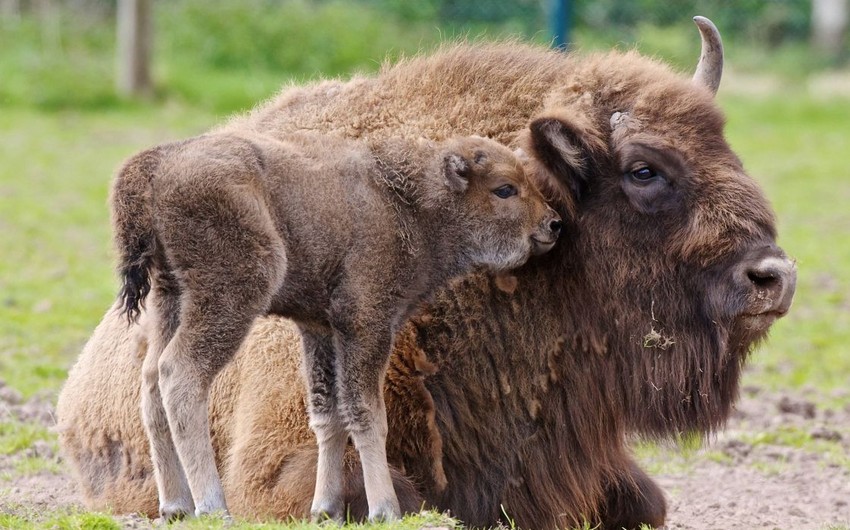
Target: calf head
[671,241]
[500,216]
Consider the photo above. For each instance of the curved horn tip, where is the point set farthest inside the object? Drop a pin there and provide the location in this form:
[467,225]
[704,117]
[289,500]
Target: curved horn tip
[710,66]
[705,23]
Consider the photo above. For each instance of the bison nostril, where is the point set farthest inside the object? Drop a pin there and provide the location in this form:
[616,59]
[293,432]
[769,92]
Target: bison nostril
[771,281]
[765,278]
[555,225]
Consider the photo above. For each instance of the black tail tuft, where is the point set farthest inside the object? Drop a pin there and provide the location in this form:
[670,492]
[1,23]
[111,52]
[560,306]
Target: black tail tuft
[134,231]
[136,287]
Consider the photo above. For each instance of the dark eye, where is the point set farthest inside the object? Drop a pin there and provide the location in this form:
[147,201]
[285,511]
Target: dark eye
[503,192]
[644,174]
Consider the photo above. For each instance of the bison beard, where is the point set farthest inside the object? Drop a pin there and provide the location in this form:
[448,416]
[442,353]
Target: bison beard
[516,401]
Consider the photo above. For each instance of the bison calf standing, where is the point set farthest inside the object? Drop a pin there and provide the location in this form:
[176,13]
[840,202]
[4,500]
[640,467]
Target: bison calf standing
[343,238]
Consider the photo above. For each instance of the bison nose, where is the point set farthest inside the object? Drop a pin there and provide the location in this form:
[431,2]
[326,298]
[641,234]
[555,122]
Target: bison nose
[774,280]
[555,226]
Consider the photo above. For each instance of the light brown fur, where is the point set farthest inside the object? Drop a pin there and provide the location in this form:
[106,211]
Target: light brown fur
[517,395]
[345,240]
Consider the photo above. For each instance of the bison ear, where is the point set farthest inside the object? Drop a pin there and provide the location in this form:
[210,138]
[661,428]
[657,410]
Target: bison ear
[567,149]
[456,171]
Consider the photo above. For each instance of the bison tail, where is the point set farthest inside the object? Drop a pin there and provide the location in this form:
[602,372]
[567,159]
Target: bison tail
[135,238]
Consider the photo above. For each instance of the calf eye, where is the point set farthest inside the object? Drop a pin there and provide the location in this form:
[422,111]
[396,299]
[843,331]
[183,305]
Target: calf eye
[503,192]
[644,174]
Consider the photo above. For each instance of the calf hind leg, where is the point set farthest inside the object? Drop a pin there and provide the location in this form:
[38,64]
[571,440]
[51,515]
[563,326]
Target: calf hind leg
[204,343]
[175,498]
[228,260]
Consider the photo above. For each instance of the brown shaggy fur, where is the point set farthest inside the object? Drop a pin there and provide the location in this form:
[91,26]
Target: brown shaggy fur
[514,397]
[345,240]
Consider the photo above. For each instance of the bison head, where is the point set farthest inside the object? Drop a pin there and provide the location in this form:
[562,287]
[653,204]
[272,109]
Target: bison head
[669,242]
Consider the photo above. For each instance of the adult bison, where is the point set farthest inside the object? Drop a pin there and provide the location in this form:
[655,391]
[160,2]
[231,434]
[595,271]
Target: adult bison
[505,396]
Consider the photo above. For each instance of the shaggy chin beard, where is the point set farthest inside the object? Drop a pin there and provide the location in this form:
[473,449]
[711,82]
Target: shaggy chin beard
[748,331]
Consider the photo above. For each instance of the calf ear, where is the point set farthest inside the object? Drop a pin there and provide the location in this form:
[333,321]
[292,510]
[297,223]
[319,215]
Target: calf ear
[456,171]
[568,149]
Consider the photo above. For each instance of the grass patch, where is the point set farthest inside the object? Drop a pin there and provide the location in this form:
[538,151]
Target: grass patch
[78,520]
[787,436]
[56,276]
[60,521]
[831,453]
[771,468]
[793,145]
[667,458]
[16,436]
[33,465]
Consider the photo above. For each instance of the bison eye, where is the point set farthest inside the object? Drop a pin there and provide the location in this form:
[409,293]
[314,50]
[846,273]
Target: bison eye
[644,174]
[503,192]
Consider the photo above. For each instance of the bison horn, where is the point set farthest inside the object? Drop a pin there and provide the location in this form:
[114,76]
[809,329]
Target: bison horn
[710,66]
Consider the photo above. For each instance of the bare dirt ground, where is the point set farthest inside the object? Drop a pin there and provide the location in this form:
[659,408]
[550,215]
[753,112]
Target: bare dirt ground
[783,462]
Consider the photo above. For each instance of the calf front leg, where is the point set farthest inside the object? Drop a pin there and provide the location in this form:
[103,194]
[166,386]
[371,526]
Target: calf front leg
[362,363]
[325,421]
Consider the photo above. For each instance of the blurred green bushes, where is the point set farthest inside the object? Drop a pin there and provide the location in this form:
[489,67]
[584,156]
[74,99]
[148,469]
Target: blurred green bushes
[216,53]
[225,55]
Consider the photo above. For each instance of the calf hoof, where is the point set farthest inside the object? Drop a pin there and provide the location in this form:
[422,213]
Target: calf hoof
[221,513]
[213,505]
[386,511]
[327,511]
[174,512]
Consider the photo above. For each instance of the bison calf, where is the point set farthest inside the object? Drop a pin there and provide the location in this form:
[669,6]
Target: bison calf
[345,239]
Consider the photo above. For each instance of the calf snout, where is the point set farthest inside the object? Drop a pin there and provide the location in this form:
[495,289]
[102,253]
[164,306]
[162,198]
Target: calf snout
[547,233]
[771,278]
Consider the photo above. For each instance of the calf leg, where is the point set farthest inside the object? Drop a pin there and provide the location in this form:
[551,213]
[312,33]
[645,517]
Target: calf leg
[327,424]
[222,246]
[204,343]
[362,364]
[175,498]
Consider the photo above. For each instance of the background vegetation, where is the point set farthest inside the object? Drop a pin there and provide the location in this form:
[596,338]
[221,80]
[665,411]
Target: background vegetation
[64,132]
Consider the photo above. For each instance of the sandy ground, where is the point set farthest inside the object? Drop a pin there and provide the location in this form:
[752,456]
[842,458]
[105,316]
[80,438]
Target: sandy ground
[782,462]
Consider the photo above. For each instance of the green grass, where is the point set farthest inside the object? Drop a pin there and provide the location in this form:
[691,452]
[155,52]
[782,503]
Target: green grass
[16,436]
[22,519]
[56,275]
[795,146]
[59,521]
[216,54]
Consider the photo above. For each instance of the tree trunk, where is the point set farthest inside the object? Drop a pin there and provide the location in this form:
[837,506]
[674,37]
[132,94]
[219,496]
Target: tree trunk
[134,44]
[829,25]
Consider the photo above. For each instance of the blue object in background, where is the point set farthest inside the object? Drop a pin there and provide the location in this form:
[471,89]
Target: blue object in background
[561,21]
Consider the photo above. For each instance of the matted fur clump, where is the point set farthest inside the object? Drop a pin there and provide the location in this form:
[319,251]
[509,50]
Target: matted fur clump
[506,396]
